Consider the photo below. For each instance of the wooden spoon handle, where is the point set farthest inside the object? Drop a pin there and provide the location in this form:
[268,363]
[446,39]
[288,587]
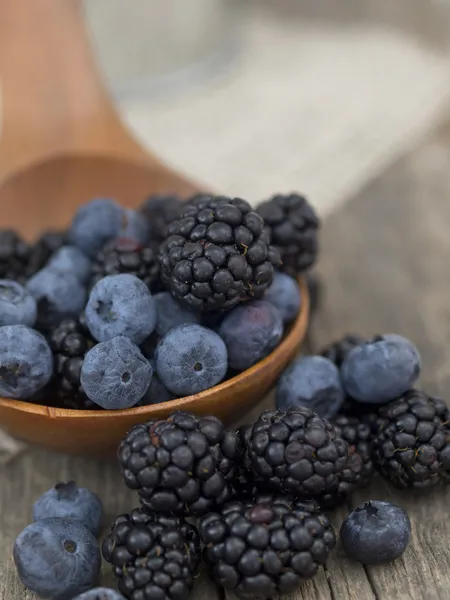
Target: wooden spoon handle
[52,100]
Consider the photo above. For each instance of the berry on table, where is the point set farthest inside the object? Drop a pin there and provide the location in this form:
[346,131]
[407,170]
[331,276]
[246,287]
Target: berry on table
[122,255]
[68,501]
[17,305]
[100,593]
[161,211]
[292,226]
[184,464]
[70,341]
[376,532]
[26,362]
[338,350]
[190,359]
[381,369]
[170,313]
[154,557]
[250,332]
[284,294]
[261,549]
[349,479]
[120,305]
[70,259]
[94,224]
[216,255]
[294,451]
[313,382]
[58,296]
[412,446]
[115,374]
[358,434]
[57,558]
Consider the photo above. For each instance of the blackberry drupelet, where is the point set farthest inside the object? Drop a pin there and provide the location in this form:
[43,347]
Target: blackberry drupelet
[161,211]
[292,226]
[70,341]
[294,451]
[14,256]
[154,557]
[357,432]
[123,255]
[337,351]
[184,465]
[216,254]
[412,447]
[43,249]
[262,549]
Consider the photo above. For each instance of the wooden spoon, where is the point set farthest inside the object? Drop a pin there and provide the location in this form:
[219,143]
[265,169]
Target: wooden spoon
[62,143]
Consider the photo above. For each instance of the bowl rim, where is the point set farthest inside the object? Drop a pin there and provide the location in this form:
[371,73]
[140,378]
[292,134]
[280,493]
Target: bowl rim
[290,341]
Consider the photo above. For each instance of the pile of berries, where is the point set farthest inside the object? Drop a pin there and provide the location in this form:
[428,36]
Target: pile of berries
[128,308]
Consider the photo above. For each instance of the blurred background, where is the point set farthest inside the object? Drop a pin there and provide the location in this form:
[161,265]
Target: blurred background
[255,96]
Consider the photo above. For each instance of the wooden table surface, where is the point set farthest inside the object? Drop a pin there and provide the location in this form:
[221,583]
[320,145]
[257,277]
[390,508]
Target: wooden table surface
[386,264]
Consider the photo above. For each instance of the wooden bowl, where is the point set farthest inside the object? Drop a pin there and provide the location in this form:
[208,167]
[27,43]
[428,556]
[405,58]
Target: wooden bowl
[98,433]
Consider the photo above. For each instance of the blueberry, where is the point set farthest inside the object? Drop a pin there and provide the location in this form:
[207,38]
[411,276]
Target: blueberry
[376,532]
[26,362]
[58,296]
[284,294]
[94,224]
[17,305]
[170,314]
[68,501]
[314,382]
[121,305]
[57,558]
[251,331]
[190,359]
[381,369]
[70,259]
[115,374]
[135,227]
[100,593]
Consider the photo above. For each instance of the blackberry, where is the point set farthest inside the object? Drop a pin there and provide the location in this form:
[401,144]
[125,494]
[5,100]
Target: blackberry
[43,249]
[292,226]
[184,465]
[412,447]
[154,557]
[122,255]
[215,255]
[14,256]
[294,451]
[349,479]
[357,432]
[161,211]
[262,549]
[70,342]
[337,351]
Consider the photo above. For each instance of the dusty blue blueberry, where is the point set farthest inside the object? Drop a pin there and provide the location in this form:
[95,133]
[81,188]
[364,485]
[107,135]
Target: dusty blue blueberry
[251,331]
[157,391]
[170,314]
[70,259]
[94,224]
[381,369]
[100,593]
[314,382]
[284,293]
[121,305]
[17,305]
[68,501]
[190,359]
[376,532]
[135,226]
[57,295]
[57,558]
[115,374]
[26,362]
